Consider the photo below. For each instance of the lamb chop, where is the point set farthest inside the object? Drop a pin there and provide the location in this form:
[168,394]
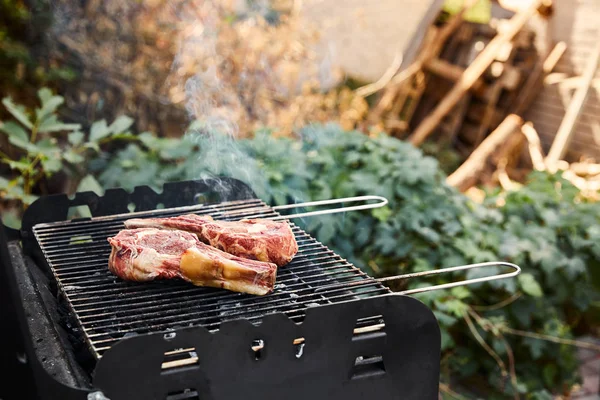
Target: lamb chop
[255,239]
[146,254]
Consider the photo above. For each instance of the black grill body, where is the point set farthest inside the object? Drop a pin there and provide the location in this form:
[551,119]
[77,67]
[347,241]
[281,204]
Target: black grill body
[328,332]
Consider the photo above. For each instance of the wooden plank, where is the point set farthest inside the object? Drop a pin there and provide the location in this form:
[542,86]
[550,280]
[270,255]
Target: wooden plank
[473,73]
[431,48]
[452,72]
[565,131]
[535,80]
[476,161]
[535,146]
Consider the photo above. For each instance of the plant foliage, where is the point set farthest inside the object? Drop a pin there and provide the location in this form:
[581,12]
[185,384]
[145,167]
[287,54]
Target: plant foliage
[545,227]
[43,146]
[496,332]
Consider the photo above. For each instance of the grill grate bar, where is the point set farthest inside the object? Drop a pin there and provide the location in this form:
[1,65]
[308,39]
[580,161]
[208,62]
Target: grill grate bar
[100,244]
[180,318]
[108,309]
[82,226]
[187,290]
[295,315]
[181,322]
[290,280]
[322,258]
[297,295]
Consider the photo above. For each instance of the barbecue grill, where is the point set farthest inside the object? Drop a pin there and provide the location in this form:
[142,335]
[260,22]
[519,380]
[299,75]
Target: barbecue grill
[328,331]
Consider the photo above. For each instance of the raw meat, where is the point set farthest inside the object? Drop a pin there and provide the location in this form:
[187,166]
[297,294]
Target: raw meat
[146,254]
[256,239]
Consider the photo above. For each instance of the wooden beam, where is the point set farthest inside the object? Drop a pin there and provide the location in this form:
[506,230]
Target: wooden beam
[535,146]
[535,80]
[452,72]
[565,130]
[473,73]
[476,161]
[432,46]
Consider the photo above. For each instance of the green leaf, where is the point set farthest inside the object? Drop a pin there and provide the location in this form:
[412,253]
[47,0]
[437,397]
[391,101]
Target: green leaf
[99,130]
[45,95]
[75,138]
[530,285]
[92,145]
[52,124]
[575,267]
[382,214]
[13,190]
[149,140]
[536,347]
[11,218]
[326,232]
[444,319]
[89,183]
[23,144]
[447,341]
[17,111]
[456,307]
[18,165]
[49,105]
[13,129]
[49,147]
[460,292]
[51,165]
[121,124]
[549,373]
[73,157]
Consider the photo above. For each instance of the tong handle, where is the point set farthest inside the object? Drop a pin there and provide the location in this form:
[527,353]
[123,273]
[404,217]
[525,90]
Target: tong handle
[516,268]
[382,201]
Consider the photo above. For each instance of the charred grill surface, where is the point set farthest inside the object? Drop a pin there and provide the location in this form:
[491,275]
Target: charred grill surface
[107,309]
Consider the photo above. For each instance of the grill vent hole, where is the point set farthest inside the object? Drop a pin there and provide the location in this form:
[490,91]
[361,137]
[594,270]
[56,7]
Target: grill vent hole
[200,198]
[160,206]
[368,367]
[79,212]
[369,331]
[131,207]
[369,327]
[179,358]
[258,346]
[187,394]
[299,347]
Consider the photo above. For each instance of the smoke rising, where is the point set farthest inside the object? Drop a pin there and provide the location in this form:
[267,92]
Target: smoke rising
[235,61]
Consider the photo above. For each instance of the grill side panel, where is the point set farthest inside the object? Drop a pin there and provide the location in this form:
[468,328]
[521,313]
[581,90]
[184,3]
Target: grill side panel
[407,354]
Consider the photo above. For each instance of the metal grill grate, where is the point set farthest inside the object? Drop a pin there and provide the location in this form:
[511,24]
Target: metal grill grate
[108,309]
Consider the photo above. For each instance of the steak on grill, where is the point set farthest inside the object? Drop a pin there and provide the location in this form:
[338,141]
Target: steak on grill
[256,239]
[146,254]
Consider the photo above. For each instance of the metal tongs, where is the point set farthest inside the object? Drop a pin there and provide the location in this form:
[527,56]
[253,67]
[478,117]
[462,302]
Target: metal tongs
[382,201]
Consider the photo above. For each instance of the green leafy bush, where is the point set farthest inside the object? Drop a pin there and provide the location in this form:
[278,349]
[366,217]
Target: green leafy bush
[545,227]
[43,146]
[494,335]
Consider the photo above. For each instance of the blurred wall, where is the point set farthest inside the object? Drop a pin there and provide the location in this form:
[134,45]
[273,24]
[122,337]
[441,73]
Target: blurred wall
[363,36]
